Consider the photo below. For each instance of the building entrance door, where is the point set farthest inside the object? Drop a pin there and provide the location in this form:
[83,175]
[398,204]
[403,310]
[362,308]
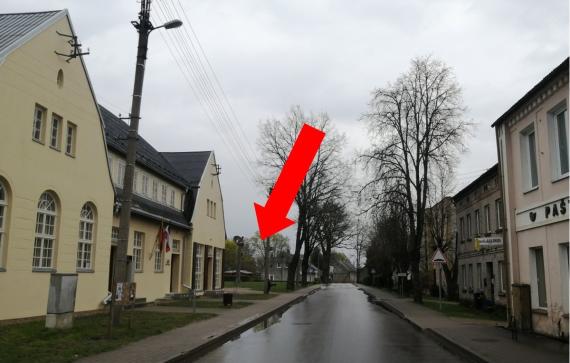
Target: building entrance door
[174,273]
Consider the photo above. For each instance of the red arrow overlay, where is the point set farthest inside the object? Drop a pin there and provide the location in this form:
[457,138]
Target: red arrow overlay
[273,217]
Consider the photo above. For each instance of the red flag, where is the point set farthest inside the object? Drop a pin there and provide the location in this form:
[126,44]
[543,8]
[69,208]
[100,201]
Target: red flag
[166,235]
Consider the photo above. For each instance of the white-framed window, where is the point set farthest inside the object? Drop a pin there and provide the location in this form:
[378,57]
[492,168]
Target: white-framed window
[172,197]
[70,139]
[498,213]
[218,268]
[182,201]
[468,226]
[114,235]
[479,277]
[54,140]
[537,278]
[558,134]
[163,194]
[477,222]
[121,173]
[136,182]
[3,216]
[564,275]
[487,215]
[138,249]
[85,244]
[529,161]
[38,124]
[208,213]
[502,281]
[175,246]
[145,184]
[198,267]
[154,190]
[214,214]
[462,229]
[158,260]
[44,243]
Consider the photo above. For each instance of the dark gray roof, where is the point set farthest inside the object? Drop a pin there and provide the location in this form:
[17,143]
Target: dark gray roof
[149,209]
[15,27]
[190,165]
[116,131]
[490,173]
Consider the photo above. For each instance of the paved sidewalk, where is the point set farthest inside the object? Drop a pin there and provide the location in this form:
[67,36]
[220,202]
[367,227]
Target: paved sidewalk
[476,340]
[199,336]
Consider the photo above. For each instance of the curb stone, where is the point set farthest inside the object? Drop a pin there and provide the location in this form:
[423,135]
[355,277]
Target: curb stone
[439,338]
[215,341]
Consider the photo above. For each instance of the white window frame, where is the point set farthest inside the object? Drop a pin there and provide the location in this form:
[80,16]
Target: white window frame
[138,251]
[45,234]
[54,141]
[86,238]
[479,272]
[468,223]
[3,217]
[135,182]
[498,208]
[527,158]
[462,228]
[218,268]
[554,136]
[163,193]
[199,268]
[114,235]
[38,123]
[155,190]
[121,173]
[477,222]
[145,184]
[535,283]
[158,260]
[172,197]
[70,138]
[487,216]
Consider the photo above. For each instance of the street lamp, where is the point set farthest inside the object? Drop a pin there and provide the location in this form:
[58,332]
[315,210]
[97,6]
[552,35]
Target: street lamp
[144,27]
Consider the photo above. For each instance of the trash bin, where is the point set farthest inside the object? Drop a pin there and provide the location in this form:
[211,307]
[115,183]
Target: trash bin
[228,299]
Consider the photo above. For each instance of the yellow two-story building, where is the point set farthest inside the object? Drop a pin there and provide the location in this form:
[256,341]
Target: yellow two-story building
[56,194]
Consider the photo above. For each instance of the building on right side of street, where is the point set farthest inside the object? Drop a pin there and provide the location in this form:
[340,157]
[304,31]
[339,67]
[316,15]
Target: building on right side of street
[480,248]
[532,142]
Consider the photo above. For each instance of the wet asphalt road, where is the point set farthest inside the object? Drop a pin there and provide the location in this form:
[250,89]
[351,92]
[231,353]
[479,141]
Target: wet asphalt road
[337,324]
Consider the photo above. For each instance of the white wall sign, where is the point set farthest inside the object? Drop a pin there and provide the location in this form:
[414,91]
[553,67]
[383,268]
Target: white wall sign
[488,242]
[546,213]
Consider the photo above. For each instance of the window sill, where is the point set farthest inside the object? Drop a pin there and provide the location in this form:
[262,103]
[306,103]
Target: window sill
[530,190]
[541,311]
[38,141]
[70,155]
[158,272]
[139,271]
[559,178]
[85,270]
[39,269]
[55,148]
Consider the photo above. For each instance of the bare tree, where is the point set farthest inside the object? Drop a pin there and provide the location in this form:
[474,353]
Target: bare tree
[275,141]
[333,231]
[416,124]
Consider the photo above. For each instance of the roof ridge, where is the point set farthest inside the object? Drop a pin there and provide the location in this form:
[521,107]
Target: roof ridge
[33,12]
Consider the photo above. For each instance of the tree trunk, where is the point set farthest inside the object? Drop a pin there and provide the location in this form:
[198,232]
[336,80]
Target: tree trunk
[292,268]
[305,266]
[326,267]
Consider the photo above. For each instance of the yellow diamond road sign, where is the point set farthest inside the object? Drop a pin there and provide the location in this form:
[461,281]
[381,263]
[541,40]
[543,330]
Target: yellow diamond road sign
[438,257]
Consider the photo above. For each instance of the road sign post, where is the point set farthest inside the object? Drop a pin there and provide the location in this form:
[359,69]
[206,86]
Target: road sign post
[438,259]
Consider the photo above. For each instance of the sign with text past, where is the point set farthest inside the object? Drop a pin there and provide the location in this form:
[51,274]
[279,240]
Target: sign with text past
[553,211]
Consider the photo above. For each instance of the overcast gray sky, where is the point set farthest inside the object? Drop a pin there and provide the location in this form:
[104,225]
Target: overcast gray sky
[322,55]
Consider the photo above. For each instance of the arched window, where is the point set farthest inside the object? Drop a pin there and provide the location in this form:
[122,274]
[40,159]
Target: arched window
[85,244]
[45,232]
[3,214]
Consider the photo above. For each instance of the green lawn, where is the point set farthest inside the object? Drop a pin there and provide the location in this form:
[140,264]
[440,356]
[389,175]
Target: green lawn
[280,286]
[458,310]
[32,342]
[208,304]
